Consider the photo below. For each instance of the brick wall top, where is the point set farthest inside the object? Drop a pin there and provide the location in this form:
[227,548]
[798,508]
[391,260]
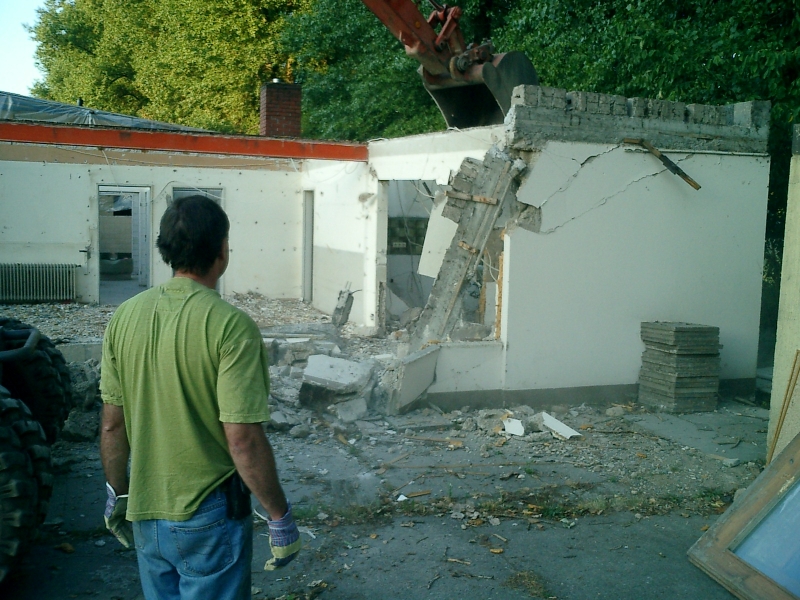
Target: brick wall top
[539,114]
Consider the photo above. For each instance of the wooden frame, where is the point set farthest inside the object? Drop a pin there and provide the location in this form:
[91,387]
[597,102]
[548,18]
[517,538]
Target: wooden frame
[714,553]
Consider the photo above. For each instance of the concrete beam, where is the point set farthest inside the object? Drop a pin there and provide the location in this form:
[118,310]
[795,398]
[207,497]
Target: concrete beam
[538,114]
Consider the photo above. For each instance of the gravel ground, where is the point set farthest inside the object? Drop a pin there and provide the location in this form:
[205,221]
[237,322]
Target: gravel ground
[632,462]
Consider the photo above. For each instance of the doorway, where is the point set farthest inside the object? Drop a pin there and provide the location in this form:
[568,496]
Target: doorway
[124,242]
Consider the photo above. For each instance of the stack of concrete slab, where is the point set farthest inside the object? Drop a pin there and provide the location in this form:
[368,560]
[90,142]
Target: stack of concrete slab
[680,367]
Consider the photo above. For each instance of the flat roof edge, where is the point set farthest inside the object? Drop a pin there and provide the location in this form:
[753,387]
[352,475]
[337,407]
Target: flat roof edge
[180,142]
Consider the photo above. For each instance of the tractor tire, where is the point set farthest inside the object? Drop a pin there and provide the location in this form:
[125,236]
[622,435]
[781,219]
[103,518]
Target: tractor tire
[14,414]
[42,382]
[18,497]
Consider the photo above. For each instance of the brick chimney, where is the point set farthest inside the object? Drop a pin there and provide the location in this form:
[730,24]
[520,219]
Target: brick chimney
[280,109]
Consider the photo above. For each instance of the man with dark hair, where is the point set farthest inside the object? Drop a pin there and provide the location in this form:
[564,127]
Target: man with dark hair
[184,383]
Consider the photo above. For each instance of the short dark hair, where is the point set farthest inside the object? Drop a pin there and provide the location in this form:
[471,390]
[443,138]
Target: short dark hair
[193,230]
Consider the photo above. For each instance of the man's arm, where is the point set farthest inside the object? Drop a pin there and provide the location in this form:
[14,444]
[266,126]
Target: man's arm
[114,448]
[255,462]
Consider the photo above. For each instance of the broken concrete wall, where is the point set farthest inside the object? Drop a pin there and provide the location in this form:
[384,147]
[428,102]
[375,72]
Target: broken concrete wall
[601,236]
[622,241]
[430,156]
[788,340]
[349,244]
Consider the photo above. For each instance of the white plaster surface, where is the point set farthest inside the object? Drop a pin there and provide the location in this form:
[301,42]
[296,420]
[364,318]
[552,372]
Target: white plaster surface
[430,156]
[48,215]
[438,238]
[49,212]
[468,366]
[417,373]
[788,340]
[349,235]
[627,247]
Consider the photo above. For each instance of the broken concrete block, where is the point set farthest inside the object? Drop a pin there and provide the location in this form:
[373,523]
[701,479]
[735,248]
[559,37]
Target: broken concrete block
[413,376]
[81,426]
[343,306]
[527,95]
[300,431]
[337,374]
[615,411]
[513,427]
[352,410]
[559,429]
[491,420]
[291,350]
[281,421]
[85,378]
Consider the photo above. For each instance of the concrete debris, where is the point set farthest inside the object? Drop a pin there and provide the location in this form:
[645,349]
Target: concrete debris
[343,307]
[282,420]
[300,431]
[337,374]
[409,379]
[351,410]
[513,427]
[85,378]
[558,429]
[81,426]
[539,114]
[615,411]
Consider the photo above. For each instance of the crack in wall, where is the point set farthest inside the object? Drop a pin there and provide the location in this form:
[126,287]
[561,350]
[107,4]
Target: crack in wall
[570,180]
[603,201]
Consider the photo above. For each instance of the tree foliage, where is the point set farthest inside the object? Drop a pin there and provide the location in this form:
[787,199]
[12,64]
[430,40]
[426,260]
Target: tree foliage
[192,62]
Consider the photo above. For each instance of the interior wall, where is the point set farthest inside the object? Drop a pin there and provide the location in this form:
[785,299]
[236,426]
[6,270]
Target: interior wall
[625,241]
[349,236]
[49,214]
[262,198]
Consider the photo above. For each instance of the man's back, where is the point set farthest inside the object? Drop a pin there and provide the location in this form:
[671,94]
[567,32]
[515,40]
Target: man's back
[179,360]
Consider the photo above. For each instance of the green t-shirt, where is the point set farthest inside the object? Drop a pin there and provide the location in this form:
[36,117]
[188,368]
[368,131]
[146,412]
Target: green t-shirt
[180,361]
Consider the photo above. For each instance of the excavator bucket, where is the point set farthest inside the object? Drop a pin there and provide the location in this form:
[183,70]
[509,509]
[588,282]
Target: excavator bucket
[487,99]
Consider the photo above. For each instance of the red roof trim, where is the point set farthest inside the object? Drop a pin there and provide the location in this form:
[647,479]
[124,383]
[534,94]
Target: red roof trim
[180,142]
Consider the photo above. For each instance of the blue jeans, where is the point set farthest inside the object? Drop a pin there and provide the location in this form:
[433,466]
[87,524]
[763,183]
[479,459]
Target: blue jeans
[206,557]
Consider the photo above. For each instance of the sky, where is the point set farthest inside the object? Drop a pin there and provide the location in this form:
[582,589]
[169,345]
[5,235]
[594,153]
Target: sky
[18,71]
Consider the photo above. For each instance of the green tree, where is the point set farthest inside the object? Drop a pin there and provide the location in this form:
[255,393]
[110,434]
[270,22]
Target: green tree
[191,62]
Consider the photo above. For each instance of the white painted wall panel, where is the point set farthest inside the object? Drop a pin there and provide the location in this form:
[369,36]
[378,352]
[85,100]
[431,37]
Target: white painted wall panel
[624,247]
[430,156]
[349,235]
[48,214]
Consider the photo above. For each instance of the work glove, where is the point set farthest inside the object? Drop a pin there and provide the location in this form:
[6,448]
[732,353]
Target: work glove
[284,539]
[116,523]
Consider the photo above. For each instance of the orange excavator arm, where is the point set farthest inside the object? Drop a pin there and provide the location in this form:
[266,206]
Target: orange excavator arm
[471,85]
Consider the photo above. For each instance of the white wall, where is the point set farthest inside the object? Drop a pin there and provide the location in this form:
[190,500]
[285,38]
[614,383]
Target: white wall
[49,212]
[430,156]
[624,241]
[349,235]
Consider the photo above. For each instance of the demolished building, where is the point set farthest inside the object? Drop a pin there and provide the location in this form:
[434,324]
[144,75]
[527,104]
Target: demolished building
[524,257]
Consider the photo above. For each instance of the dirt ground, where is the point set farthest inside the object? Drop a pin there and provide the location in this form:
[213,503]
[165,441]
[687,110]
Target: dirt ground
[440,505]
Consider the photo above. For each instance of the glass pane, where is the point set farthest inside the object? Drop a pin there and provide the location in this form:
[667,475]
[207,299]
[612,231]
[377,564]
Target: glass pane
[773,547]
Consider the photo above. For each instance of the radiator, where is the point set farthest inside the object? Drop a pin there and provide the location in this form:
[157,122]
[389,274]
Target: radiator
[37,282]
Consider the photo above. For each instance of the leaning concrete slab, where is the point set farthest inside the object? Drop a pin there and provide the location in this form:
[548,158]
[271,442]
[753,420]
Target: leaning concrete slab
[414,375]
[481,193]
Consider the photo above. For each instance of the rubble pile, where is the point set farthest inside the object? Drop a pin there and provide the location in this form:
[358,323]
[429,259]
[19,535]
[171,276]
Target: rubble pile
[680,367]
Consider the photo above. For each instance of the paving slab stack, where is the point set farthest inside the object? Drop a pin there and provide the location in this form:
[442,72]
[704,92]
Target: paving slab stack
[680,367]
